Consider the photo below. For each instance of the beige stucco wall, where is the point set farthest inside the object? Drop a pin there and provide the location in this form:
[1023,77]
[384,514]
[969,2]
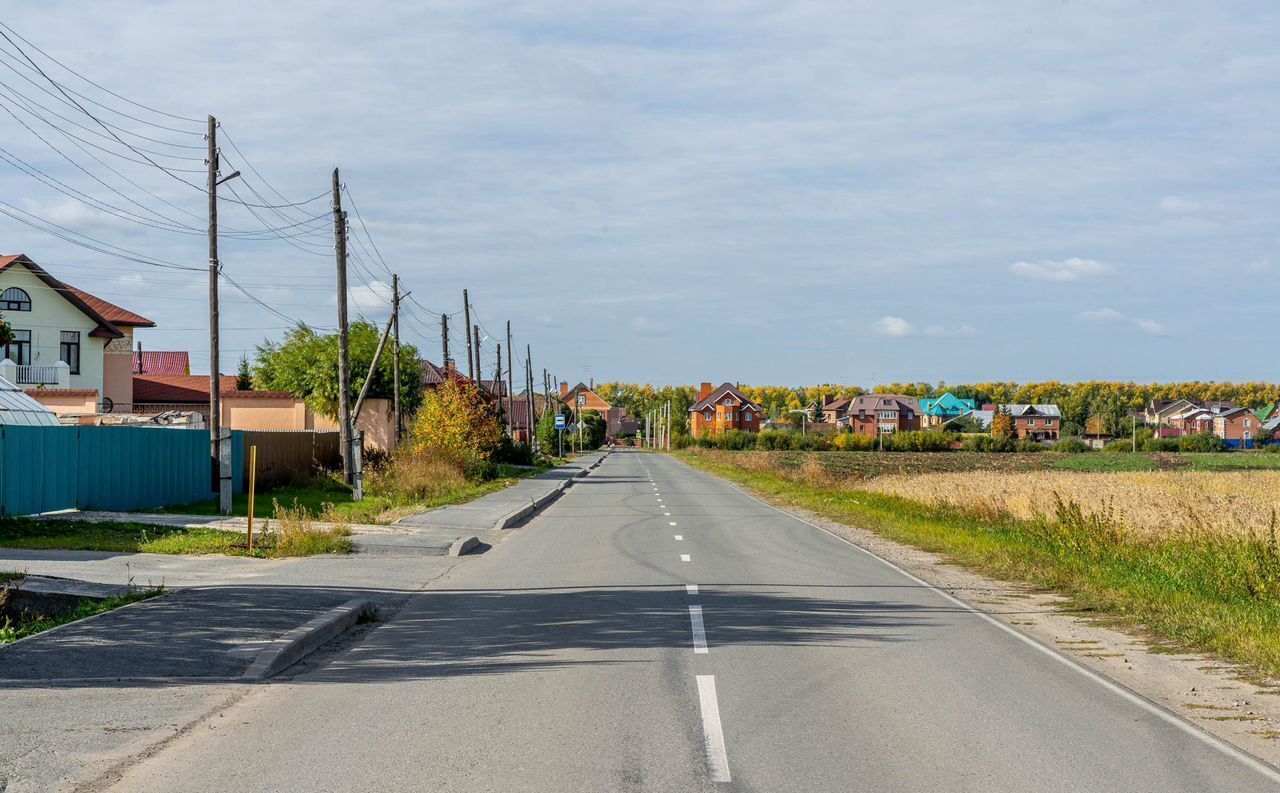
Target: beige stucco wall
[51,314]
[117,371]
[259,413]
[247,412]
[66,404]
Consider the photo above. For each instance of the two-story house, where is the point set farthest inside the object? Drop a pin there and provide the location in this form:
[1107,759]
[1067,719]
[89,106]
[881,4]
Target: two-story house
[937,411]
[721,409]
[874,414]
[1236,426]
[72,351]
[1035,422]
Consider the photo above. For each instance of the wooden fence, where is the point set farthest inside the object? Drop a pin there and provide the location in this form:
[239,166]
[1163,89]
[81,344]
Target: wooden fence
[287,455]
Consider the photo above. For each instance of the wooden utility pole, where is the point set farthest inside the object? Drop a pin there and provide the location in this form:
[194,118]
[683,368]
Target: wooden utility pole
[344,370]
[444,341]
[511,393]
[466,331]
[215,403]
[505,407]
[475,334]
[395,350]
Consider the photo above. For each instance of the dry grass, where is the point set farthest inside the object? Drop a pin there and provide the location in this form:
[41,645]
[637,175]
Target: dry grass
[293,533]
[1155,504]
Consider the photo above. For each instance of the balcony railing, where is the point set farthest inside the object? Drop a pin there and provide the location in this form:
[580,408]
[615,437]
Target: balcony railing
[37,374]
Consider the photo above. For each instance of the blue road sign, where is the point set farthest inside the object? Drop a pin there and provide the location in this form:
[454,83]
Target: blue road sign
[560,422]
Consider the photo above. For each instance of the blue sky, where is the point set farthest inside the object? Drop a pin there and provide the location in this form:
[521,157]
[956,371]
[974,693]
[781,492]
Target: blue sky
[797,192]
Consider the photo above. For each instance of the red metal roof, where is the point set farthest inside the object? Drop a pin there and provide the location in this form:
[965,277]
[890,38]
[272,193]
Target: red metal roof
[110,311]
[161,362]
[107,315]
[175,389]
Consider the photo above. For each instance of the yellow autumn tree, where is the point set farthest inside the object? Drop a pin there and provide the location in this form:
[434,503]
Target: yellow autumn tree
[455,424]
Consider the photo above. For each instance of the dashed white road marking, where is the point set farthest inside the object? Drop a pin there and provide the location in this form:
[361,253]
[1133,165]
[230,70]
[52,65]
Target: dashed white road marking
[712,733]
[668,514]
[672,522]
[678,537]
[684,557]
[691,589]
[699,630]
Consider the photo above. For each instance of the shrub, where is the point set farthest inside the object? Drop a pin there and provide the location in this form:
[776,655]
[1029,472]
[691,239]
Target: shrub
[1200,442]
[853,442]
[920,441]
[455,424]
[773,440]
[1029,446]
[1118,446]
[989,443]
[1160,445]
[1071,446]
[1271,448]
[813,442]
[512,453]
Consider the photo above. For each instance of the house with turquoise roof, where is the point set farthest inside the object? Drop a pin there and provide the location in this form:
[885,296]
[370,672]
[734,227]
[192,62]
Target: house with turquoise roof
[936,411]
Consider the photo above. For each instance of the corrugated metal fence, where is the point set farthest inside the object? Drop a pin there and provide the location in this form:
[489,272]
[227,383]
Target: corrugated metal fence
[284,456]
[114,468]
[43,469]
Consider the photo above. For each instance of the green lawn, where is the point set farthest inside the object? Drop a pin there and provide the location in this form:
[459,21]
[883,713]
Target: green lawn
[1106,461]
[127,537]
[13,631]
[1214,594]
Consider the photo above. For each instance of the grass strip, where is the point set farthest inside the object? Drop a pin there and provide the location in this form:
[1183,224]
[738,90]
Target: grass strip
[130,537]
[1210,594]
[31,625]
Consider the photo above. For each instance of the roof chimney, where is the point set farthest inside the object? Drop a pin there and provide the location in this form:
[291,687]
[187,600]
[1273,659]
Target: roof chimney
[451,365]
[138,369]
[705,391]
[564,389]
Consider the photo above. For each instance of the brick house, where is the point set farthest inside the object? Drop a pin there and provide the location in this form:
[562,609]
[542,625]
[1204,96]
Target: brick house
[1236,425]
[872,414]
[1160,411]
[616,421]
[832,411]
[1191,421]
[1033,422]
[721,409]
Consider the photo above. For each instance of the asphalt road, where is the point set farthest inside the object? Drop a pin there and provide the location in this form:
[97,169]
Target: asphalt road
[657,630]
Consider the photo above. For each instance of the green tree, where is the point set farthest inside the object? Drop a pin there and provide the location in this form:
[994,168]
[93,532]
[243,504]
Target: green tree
[244,378]
[305,363]
[1002,425]
[548,435]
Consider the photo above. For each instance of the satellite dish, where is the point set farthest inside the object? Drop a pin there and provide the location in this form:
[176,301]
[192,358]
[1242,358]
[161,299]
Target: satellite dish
[106,405]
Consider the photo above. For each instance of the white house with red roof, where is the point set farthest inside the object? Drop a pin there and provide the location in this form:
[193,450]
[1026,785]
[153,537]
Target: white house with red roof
[70,350]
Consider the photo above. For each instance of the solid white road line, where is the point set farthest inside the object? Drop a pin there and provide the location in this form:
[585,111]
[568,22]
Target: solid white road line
[691,589]
[713,735]
[684,557]
[699,631]
[678,536]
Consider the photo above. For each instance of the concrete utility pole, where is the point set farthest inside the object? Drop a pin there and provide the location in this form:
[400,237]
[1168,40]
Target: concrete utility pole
[511,393]
[395,350]
[528,377]
[475,334]
[466,331]
[215,403]
[344,364]
[444,342]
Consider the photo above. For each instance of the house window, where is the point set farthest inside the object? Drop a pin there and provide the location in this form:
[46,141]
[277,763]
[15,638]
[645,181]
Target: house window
[1248,422]
[728,415]
[728,402]
[69,350]
[19,350]
[14,299]
[708,415]
[1031,422]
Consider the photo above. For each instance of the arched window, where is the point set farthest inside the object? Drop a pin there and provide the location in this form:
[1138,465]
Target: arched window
[14,299]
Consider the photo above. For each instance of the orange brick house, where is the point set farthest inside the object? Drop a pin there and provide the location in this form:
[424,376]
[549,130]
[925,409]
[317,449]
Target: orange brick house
[583,396]
[721,409]
[1236,425]
[871,414]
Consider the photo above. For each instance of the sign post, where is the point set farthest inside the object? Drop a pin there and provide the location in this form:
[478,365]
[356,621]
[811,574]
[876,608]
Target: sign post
[582,400]
[560,425]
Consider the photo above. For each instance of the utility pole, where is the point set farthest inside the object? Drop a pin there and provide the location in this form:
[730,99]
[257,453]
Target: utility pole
[475,333]
[528,377]
[215,403]
[511,388]
[395,350]
[466,331]
[497,379]
[444,341]
[344,372]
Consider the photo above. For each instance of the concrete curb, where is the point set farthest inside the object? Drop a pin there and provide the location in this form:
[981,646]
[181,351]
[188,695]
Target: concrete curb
[464,545]
[520,513]
[305,639]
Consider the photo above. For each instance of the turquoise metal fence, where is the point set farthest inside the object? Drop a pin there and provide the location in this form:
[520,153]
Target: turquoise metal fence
[115,468]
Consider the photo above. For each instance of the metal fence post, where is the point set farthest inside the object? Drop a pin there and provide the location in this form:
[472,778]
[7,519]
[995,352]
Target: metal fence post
[357,465]
[224,471]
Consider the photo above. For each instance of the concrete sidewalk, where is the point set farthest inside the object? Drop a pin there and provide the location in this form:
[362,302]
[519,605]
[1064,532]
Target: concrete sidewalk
[507,507]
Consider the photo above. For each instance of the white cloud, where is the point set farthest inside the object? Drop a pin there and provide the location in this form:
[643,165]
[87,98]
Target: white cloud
[1258,267]
[1176,205]
[644,326]
[1151,327]
[1109,315]
[1064,271]
[373,297]
[897,327]
[1100,315]
[131,279]
[893,326]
